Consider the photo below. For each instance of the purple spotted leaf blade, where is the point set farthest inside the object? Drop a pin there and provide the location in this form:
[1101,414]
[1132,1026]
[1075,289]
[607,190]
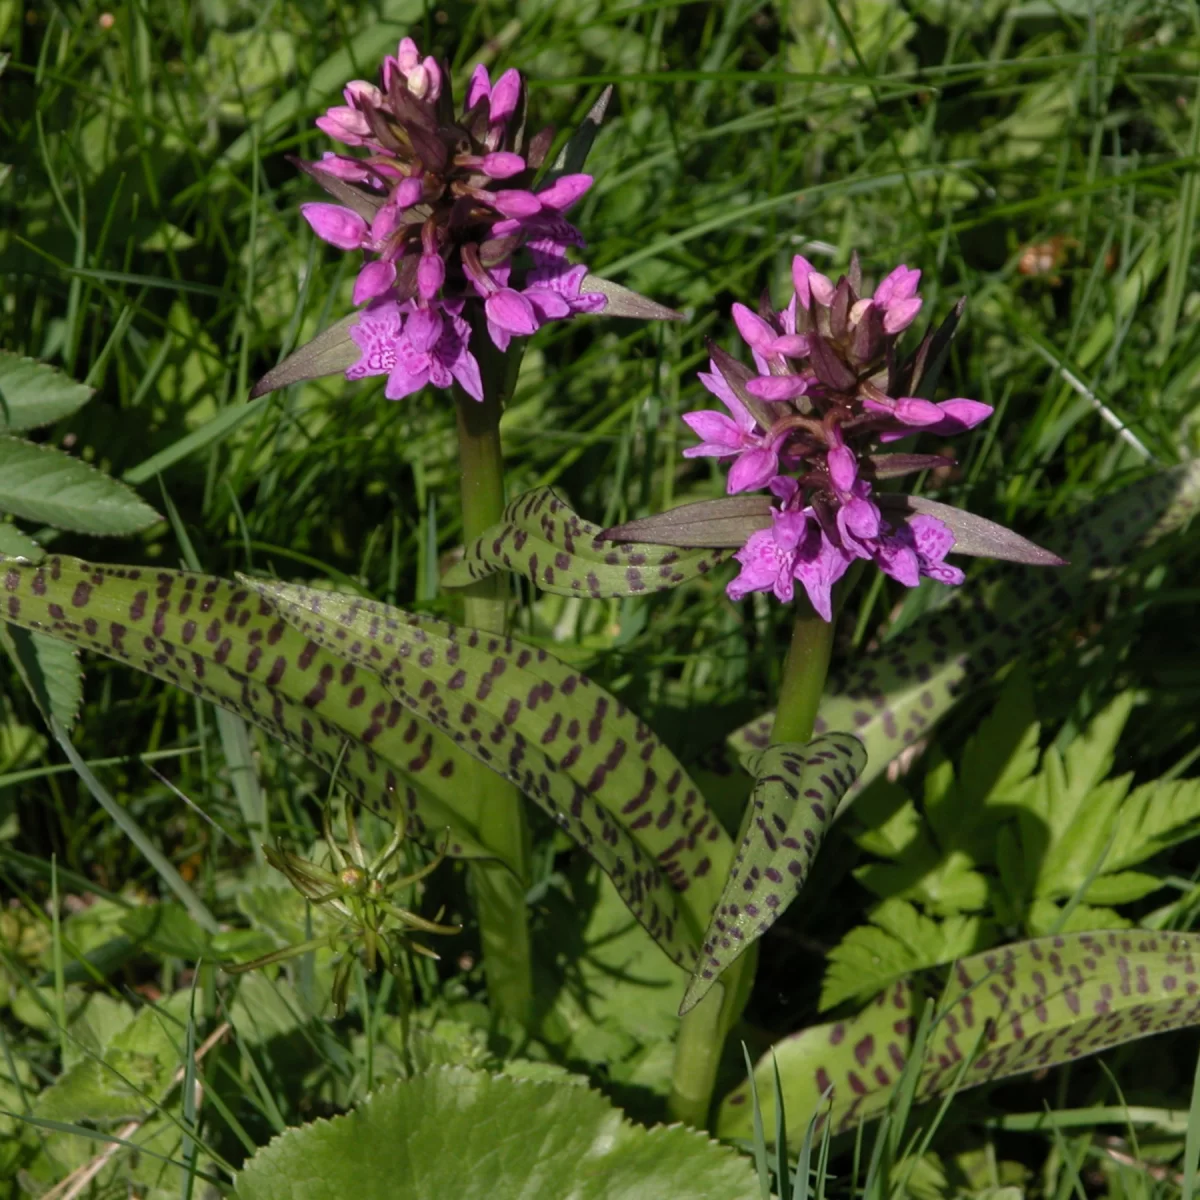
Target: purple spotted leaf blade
[894,696]
[220,642]
[331,352]
[621,302]
[594,766]
[540,538]
[1020,1008]
[973,534]
[796,793]
[723,524]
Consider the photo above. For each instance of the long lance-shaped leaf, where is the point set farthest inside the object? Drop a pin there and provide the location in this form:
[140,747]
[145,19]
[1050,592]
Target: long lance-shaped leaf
[796,793]
[221,642]
[894,696]
[541,538]
[1021,1008]
[557,735]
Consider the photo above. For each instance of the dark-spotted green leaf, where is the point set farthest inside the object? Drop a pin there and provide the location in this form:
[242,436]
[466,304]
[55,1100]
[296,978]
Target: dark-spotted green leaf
[49,669]
[597,768]
[1021,1008]
[543,540]
[224,644]
[894,696]
[33,394]
[467,1135]
[45,485]
[796,793]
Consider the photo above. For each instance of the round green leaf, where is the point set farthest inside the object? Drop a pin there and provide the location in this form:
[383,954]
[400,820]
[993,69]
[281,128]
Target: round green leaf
[471,1136]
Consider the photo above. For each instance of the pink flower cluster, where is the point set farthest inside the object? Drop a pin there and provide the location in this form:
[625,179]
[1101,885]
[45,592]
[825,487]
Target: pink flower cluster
[444,208]
[827,391]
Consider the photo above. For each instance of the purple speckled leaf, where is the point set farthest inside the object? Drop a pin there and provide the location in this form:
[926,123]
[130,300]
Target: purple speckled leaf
[894,696]
[796,793]
[543,540]
[1020,1008]
[597,768]
[219,641]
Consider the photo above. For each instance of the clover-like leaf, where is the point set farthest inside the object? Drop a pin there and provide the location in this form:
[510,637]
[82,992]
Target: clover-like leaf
[541,538]
[796,793]
[896,694]
[465,1134]
[33,394]
[1020,1008]
[600,771]
[41,483]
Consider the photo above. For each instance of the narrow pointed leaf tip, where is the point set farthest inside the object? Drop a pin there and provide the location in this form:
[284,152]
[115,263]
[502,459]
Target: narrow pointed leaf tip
[542,539]
[796,793]
[621,302]
[331,352]
[973,535]
[573,155]
[709,524]
[1021,1008]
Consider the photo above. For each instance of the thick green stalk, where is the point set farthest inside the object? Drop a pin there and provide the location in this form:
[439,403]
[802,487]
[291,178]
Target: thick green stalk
[499,893]
[703,1030]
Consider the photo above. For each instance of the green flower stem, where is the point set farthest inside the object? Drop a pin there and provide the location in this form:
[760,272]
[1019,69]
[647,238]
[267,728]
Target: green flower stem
[703,1030]
[803,675]
[499,892]
[701,1042]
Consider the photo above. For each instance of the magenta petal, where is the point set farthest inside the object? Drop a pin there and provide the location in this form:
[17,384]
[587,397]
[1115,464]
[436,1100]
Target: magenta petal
[900,284]
[715,382]
[753,470]
[506,92]
[344,125]
[859,518]
[564,192]
[336,225]
[821,287]
[423,328]
[401,382]
[511,312]
[408,192]
[431,274]
[513,202]
[914,411]
[897,560]
[384,224]
[373,280]
[480,86]
[717,429]
[756,332]
[776,387]
[791,345]
[843,467]
[819,565]
[802,271]
[965,414]
[465,368]
[503,164]
[901,316]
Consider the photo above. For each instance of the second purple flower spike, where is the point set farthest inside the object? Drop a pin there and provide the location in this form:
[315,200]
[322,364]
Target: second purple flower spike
[829,388]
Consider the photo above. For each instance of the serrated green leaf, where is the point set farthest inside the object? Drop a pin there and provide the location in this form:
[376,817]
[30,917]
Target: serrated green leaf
[894,696]
[898,941]
[1021,1008]
[600,771]
[16,544]
[1153,818]
[796,793]
[33,394]
[128,1076]
[40,483]
[536,1138]
[208,636]
[541,539]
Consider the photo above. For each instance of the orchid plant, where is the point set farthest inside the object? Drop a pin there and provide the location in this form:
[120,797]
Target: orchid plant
[460,214]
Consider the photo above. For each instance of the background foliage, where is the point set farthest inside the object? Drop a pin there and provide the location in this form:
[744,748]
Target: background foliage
[1037,157]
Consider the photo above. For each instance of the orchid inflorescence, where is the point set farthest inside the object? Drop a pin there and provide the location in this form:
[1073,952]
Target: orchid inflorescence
[360,893]
[447,210]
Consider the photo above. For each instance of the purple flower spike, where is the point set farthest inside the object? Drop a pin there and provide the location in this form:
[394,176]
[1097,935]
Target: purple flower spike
[829,386]
[442,206]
